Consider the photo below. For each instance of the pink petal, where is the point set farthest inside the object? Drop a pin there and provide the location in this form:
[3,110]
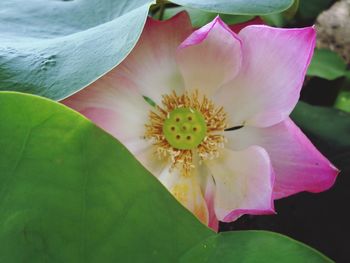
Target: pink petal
[151,66]
[238,27]
[115,107]
[298,165]
[210,57]
[273,70]
[244,183]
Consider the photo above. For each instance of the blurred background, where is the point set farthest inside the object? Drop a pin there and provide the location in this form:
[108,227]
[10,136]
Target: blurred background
[319,220]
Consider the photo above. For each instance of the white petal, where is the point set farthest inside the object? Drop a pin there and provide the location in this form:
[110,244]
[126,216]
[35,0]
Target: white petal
[244,183]
[187,191]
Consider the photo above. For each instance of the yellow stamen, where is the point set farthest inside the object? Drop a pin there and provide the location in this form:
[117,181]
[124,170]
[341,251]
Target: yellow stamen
[215,120]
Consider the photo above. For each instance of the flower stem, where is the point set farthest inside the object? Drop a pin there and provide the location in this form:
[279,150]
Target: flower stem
[161,11]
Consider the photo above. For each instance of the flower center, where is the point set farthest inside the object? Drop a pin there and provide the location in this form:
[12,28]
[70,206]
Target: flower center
[185,128]
[186,125]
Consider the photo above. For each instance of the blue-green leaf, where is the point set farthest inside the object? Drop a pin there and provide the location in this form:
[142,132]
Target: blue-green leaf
[239,7]
[55,48]
[199,17]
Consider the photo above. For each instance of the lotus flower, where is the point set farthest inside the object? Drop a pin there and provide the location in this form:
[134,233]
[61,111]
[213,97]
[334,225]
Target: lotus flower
[206,112]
